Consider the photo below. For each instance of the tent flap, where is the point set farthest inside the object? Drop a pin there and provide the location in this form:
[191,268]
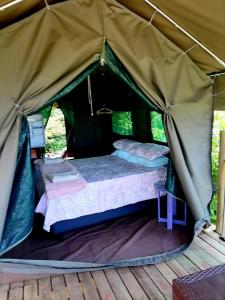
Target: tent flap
[19,220]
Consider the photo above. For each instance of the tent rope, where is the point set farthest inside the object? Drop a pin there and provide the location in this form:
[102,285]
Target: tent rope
[214,77]
[185,52]
[220,93]
[152,17]
[46,4]
[220,61]
[217,74]
[5,6]
[90,99]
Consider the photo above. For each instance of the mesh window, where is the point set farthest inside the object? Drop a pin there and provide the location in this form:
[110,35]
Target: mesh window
[121,123]
[157,128]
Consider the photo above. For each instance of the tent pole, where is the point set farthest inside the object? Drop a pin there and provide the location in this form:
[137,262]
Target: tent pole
[220,61]
[3,7]
[221,186]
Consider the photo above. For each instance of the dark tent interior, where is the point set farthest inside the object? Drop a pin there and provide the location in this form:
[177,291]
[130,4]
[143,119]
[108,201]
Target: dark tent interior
[94,116]
[93,134]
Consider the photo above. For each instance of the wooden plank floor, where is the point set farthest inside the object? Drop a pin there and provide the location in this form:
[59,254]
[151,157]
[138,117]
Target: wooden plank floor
[139,283]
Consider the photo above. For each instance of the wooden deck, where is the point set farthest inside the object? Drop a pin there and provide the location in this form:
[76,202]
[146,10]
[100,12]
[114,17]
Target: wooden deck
[147,282]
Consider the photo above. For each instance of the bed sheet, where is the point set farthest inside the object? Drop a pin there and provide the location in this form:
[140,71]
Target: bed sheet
[112,182]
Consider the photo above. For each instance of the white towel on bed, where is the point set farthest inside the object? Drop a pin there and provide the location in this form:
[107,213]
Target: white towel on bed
[64,176]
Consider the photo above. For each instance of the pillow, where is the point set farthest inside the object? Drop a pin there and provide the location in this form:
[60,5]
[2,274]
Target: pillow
[125,144]
[122,154]
[149,150]
[158,162]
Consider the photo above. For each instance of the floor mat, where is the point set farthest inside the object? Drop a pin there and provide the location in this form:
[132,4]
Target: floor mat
[123,238]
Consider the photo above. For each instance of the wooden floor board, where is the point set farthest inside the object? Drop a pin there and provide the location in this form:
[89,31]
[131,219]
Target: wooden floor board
[166,271]
[214,243]
[4,290]
[188,264]
[44,288]
[214,235]
[88,286]
[73,287]
[119,289]
[16,293]
[177,268]
[159,280]
[210,250]
[200,257]
[16,285]
[147,284]
[103,286]
[132,284]
[137,283]
[59,287]
[30,290]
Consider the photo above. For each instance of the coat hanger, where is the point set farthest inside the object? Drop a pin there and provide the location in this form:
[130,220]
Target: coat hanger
[103,111]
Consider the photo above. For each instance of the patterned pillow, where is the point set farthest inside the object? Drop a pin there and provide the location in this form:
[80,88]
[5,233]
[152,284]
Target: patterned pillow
[149,150]
[125,144]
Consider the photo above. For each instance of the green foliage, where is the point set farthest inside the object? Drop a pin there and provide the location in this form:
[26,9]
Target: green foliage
[46,114]
[157,127]
[55,133]
[121,123]
[219,124]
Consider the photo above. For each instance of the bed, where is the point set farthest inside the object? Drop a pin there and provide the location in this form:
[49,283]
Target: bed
[110,187]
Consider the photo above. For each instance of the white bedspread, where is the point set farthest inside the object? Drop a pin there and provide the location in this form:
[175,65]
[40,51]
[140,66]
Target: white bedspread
[112,182]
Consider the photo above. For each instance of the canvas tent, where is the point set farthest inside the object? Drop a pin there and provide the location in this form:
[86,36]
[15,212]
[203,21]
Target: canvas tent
[43,53]
[204,20]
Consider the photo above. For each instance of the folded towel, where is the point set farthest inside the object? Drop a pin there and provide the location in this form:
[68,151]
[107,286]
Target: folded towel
[63,176]
[48,160]
[59,171]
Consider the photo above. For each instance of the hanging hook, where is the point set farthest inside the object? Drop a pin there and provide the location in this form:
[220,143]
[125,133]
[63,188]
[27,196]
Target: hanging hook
[90,95]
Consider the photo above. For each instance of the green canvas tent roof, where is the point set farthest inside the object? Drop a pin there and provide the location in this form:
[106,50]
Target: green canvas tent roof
[204,20]
[44,52]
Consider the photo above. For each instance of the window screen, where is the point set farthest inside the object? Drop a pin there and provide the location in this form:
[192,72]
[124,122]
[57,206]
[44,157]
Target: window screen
[121,123]
[157,128]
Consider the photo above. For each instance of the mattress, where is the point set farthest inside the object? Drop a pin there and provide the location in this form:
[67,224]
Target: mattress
[112,182]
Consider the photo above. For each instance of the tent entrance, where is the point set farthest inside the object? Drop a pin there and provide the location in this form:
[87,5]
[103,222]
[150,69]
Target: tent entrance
[92,135]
